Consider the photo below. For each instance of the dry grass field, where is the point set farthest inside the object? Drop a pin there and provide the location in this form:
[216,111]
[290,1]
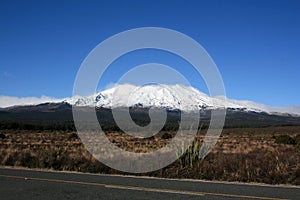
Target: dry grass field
[265,155]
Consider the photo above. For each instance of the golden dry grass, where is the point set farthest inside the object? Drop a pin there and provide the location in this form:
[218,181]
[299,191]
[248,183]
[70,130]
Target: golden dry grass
[241,154]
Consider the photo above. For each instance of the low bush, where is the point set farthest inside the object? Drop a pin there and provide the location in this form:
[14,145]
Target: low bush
[2,136]
[285,139]
[73,136]
[166,136]
[297,139]
[298,146]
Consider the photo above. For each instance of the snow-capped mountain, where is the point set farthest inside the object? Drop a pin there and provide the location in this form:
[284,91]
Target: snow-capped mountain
[172,97]
[179,97]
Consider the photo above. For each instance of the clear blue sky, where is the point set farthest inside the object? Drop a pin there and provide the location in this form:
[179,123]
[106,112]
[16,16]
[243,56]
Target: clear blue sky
[255,44]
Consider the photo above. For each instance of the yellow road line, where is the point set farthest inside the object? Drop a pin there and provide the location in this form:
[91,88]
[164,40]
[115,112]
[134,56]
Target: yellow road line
[161,190]
[141,188]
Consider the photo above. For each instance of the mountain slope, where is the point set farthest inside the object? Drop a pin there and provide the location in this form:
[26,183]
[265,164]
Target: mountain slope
[172,97]
[179,97]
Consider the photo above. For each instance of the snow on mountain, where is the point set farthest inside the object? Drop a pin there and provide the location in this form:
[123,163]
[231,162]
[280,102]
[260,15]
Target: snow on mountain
[170,96]
[180,97]
[8,101]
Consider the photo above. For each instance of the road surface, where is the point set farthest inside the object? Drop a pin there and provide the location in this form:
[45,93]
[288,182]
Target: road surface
[45,185]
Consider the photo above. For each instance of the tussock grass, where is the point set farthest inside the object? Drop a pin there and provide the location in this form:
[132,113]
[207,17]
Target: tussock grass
[241,154]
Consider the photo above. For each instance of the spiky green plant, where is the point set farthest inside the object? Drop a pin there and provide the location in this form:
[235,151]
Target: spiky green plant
[190,155]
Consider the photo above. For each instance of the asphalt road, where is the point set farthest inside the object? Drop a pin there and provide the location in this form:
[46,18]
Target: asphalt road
[43,185]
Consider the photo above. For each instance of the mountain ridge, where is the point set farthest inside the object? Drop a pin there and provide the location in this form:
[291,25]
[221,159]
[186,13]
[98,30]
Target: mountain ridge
[173,97]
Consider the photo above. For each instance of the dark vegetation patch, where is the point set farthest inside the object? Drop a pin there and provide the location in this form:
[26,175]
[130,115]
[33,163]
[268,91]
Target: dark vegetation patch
[285,139]
[166,136]
[59,117]
[2,136]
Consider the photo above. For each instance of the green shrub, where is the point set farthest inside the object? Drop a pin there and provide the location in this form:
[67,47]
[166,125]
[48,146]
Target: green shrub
[297,139]
[73,136]
[298,146]
[285,139]
[190,155]
[166,136]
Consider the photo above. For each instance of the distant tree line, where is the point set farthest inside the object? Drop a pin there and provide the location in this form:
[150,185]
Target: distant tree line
[42,126]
